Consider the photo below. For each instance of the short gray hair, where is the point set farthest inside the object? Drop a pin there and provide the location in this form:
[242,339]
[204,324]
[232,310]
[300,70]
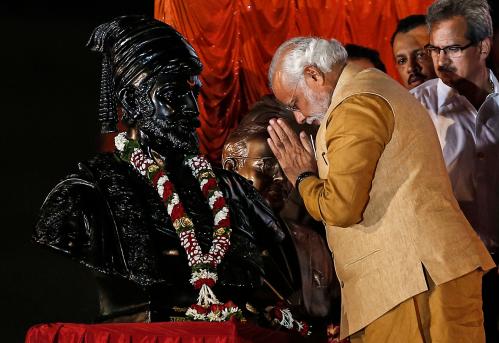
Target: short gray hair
[297,53]
[475,12]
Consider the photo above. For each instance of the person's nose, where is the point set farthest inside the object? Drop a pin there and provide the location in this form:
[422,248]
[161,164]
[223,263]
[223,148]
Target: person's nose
[299,117]
[442,58]
[413,66]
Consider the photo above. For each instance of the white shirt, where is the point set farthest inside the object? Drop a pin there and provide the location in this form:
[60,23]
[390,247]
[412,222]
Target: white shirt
[470,146]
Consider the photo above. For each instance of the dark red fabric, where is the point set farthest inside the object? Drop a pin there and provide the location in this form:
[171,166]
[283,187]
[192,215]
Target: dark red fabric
[172,332]
[236,39]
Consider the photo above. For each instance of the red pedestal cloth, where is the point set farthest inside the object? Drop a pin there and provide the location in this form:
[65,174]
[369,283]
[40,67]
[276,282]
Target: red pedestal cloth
[171,332]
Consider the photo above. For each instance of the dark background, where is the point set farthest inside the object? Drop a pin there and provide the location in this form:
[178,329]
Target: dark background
[48,114]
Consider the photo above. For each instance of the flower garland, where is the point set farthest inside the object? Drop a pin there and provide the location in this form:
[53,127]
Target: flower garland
[203,266]
[282,316]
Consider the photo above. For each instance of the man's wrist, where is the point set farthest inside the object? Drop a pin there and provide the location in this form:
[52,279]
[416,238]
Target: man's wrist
[303,176]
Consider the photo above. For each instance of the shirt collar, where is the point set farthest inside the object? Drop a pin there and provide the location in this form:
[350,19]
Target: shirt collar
[347,74]
[493,78]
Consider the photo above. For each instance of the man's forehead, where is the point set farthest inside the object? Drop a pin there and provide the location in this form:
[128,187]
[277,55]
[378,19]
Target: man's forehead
[420,34]
[418,37]
[279,87]
[450,29]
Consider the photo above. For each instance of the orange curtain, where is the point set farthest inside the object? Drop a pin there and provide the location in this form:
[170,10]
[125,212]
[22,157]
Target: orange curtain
[236,39]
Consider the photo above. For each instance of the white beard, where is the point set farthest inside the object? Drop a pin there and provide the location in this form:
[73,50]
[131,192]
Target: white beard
[316,116]
[321,103]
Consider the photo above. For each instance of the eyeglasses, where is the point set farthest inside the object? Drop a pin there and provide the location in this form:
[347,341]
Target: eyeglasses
[451,51]
[267,165]
[291,106]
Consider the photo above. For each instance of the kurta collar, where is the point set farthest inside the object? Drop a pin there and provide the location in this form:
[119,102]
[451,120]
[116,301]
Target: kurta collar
[347,74]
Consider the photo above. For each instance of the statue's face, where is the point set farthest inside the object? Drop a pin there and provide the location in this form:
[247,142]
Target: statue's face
[174,118]
[259,166]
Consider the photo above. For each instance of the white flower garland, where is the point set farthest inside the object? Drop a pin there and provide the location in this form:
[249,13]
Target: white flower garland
[201,276]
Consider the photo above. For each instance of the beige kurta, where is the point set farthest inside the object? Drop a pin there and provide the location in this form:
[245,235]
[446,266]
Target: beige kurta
[385,198]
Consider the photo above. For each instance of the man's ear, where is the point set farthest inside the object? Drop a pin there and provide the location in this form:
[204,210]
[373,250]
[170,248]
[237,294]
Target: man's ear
[485,46]
[314,77]
[127,99]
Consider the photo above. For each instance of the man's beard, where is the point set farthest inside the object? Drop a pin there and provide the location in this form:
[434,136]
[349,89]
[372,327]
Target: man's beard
[167,137]
[314,118]
[321,103]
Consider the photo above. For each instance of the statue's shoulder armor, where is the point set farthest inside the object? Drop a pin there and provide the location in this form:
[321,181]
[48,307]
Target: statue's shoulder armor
[107,217]
[73,211]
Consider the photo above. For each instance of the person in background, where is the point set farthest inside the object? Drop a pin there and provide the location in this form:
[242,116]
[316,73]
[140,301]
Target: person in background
[413,64]
[464,106]
[364,57]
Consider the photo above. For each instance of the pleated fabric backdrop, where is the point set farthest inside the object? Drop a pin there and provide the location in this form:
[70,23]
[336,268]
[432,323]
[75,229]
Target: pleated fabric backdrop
[236,39]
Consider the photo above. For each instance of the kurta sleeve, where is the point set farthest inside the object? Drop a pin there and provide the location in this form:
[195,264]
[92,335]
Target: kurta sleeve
[356,135]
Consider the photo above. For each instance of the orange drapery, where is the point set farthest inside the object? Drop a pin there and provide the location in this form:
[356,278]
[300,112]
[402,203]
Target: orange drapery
[236,39]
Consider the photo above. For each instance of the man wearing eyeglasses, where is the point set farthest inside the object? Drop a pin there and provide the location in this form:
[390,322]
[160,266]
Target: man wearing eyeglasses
[403,252]
[413,63]
[464,106]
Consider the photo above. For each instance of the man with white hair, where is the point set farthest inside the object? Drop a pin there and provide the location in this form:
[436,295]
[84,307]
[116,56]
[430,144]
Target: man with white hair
[464,106]
[404,253]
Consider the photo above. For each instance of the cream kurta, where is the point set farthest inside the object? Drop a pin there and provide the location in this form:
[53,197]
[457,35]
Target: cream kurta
[385,198]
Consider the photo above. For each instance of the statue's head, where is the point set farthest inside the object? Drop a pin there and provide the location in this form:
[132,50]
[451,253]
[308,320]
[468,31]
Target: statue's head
[247,152]
[151,72]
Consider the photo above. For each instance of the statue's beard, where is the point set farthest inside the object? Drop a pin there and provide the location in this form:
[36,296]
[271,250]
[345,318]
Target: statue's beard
[170,137]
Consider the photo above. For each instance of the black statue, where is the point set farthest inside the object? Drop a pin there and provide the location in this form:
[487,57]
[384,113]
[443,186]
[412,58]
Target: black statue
[111,218]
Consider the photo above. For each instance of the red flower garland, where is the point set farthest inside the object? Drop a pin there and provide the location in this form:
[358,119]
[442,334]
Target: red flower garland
[203,266]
